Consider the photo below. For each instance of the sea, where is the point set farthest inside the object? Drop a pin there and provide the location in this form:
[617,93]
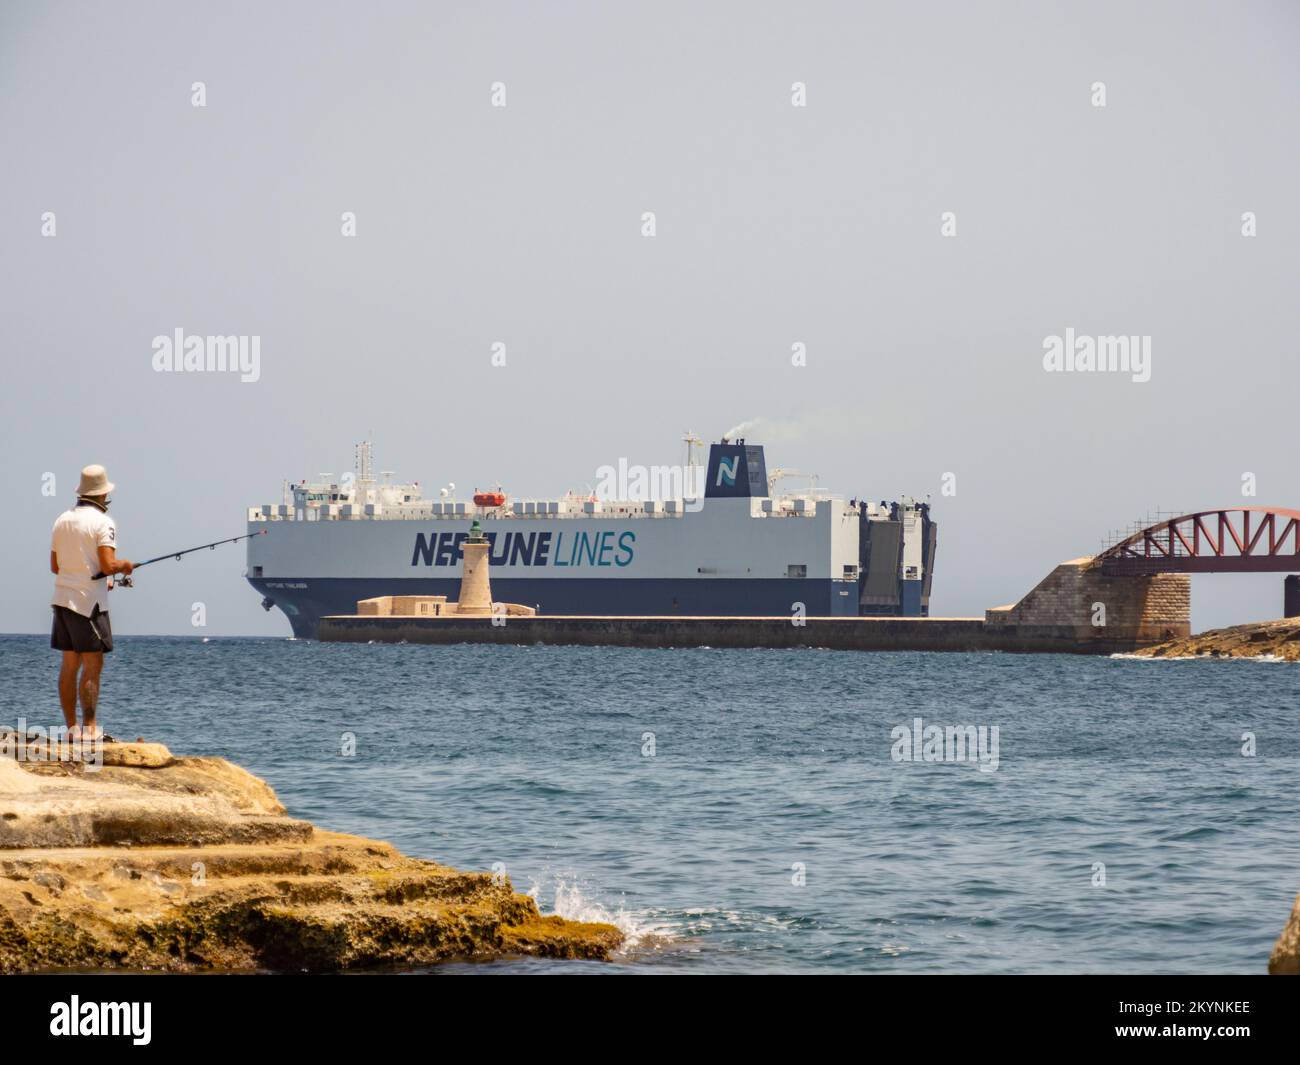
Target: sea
[751,811]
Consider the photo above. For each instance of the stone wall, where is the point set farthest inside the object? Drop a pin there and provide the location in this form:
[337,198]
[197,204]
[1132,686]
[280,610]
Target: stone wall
[1056,616]
[839,634]
[1072,599]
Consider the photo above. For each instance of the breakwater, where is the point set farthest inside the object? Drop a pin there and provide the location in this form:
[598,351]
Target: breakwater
[1074,610]
[841,634]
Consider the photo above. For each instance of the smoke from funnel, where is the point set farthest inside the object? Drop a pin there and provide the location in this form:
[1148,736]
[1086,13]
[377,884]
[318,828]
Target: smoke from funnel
[743,427]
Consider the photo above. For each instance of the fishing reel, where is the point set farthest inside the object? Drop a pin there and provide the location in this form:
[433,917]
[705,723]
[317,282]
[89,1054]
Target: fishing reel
[122,580]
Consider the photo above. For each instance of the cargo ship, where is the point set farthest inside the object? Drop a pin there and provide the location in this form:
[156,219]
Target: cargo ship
[729,543]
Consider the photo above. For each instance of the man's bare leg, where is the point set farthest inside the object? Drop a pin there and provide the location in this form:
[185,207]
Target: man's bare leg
[92,662]
[68,687]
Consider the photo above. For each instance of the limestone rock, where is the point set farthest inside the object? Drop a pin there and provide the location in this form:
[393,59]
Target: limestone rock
[110,752]
[116,806]
[201,776]
[1285,959]
[149,755]
[1277,639]
[187,864]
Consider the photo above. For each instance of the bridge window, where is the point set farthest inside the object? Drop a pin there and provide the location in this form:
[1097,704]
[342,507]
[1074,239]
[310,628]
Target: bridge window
[797,570]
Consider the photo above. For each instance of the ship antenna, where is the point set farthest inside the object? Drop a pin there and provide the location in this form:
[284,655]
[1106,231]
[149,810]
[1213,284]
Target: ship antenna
[365,466]
[692,442]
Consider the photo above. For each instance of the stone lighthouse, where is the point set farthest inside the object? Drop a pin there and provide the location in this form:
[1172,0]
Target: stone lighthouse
[475,592]
[475,588]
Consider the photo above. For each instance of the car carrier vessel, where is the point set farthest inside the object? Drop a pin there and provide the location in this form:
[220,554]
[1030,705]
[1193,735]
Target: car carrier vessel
[736,548]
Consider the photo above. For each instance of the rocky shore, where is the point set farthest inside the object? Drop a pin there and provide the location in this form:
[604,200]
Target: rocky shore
[1285,959]
[1276,639]
[154,862]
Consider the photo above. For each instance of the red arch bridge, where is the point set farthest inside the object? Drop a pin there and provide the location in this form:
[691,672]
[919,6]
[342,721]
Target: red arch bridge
[1232,540]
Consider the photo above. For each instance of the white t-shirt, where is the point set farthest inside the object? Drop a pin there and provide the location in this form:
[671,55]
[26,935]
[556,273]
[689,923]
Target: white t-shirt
[78,535]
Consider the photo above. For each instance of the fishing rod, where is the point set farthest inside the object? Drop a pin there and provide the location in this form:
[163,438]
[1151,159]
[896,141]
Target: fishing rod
[124,581]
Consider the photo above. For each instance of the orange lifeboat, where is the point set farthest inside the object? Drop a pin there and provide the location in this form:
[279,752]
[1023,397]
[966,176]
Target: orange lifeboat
[489,499]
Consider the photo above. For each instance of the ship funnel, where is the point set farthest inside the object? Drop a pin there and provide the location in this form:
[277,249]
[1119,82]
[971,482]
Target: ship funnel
[736,471]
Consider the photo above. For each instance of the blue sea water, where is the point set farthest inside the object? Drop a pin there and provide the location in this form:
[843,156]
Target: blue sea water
[766,763]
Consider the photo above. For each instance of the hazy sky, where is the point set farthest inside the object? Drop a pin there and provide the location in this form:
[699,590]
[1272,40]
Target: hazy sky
[522,224]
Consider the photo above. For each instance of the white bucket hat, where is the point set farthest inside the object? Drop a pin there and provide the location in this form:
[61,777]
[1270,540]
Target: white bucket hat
[94,482]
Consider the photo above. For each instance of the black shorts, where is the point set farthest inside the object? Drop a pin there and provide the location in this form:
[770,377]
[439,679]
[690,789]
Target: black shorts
[76,632]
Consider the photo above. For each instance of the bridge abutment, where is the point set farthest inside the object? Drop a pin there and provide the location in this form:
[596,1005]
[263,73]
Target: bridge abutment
[1076,601]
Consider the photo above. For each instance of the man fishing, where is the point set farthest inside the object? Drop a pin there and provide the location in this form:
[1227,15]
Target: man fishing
[83,555]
